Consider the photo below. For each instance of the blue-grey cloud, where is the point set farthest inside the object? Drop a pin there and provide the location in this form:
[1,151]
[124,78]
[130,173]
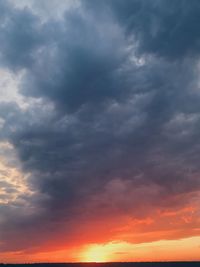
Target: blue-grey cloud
[116,102]
[165,28]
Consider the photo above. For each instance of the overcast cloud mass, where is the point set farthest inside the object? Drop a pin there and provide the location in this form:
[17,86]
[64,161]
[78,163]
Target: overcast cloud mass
[99,122]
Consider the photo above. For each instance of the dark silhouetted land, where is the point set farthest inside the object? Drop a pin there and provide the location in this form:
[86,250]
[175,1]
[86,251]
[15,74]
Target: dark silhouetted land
[121,264]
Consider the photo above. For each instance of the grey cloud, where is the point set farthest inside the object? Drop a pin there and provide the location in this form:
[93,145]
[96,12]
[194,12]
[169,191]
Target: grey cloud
[165,28]
[90,62]
[20,36]
[102,117]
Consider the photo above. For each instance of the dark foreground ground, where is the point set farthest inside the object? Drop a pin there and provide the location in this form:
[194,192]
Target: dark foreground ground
[121,264]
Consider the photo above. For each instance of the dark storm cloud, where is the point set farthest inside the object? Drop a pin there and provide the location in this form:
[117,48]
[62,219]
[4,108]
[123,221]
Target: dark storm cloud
[19,36]
[114,113]
[83,64]
[166,28]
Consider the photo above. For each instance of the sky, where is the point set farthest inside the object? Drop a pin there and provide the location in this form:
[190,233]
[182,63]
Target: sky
[99,130]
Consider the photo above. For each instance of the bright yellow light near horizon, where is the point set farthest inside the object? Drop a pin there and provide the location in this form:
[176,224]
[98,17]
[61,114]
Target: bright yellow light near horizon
[163,250]
[186,249]
[95,253]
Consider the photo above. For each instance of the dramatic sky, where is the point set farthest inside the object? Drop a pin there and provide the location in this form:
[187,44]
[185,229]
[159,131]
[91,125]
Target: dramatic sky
[99,130]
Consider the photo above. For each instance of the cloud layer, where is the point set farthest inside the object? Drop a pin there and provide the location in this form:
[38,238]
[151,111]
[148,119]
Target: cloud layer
[104,125]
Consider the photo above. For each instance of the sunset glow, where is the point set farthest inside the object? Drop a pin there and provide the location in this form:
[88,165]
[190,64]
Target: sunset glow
[95,253]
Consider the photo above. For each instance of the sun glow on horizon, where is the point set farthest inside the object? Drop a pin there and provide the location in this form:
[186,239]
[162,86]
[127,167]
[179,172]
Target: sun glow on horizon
[186,249]
[95,253]
[178,250]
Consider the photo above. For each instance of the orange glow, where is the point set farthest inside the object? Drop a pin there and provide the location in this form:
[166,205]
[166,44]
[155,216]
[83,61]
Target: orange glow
[167,250]
[95,253]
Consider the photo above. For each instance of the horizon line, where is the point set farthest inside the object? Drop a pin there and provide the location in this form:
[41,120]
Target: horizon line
[105,262]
